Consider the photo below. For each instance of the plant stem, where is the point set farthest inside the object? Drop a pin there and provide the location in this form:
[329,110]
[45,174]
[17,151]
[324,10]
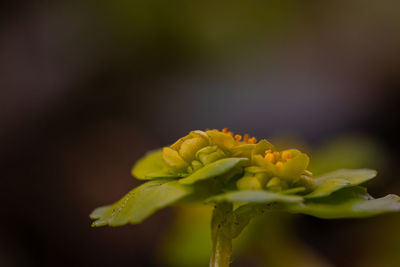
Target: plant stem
[221,225]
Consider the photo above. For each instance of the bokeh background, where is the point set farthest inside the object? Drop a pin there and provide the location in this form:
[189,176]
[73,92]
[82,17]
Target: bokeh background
[87,87]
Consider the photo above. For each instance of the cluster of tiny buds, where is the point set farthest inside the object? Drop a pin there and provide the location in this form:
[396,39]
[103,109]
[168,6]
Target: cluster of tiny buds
[276,157]
[246,138]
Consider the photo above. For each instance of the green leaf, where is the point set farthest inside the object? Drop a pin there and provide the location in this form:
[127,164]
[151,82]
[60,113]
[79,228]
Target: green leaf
[343,195]
[245,213]
[151,166]
[214,169]
[352,208]
[255,196]
[159,175]
[242,216]
[293,191]
[333,181]
[140,203]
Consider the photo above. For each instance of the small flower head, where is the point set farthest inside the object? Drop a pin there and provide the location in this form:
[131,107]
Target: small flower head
[269,169]
[287,168]
[179,155]
[199,148]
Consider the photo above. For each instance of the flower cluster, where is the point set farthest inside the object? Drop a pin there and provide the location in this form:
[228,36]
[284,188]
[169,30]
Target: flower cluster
[199,148]
[221,167]
[266,168]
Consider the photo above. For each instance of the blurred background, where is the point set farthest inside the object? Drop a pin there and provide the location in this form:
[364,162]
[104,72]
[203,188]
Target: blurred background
[87,87]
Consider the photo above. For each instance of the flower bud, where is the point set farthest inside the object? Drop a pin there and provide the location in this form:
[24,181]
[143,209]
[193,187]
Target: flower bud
[196,165]
[248,183]
[277,185]
[178,156]
[190,146]
[254,178]
[305,180]
[173,160]
[209,154]
[244,150]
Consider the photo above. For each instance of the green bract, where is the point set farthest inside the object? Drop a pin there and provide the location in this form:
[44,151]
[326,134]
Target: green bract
[242,178]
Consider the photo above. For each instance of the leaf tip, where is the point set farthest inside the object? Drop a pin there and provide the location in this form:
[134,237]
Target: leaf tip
[98,223]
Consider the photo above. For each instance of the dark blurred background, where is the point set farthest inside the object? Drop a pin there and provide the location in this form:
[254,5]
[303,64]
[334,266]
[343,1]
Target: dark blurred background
[87,87]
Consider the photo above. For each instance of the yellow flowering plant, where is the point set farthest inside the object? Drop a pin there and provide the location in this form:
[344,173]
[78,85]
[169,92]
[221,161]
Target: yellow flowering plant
[242,178]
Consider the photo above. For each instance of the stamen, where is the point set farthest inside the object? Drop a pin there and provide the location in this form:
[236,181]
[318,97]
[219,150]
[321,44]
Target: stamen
[230,133]
[279,164]
[225,130]
[245,138]
[286,155]
[270,157]
[277,155]
[268,151]
[252,140]
[238,137]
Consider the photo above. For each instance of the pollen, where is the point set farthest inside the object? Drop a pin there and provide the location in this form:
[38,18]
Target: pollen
[238,137]
[252,140]
[245,138]
[270,157]
[286,155]
[279,164]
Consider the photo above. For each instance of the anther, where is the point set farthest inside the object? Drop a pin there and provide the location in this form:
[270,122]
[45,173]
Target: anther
[225,130]
[230,133]
[252,140]
[286,155]
[277,155]
[238,137]
[279,164]
[245,138]
[270,157]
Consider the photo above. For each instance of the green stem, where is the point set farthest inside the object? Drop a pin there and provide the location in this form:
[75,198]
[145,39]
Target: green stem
[221,225]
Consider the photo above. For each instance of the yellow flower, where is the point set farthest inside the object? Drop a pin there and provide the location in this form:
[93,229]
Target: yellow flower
[288,167]
[199,148]
[179,155]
